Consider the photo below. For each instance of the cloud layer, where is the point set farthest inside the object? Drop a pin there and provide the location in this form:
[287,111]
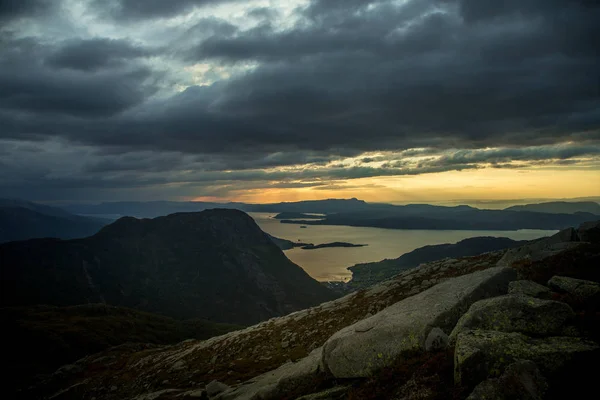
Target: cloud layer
[204,93]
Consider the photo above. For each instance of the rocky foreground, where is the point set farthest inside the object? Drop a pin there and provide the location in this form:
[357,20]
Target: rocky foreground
[516,324]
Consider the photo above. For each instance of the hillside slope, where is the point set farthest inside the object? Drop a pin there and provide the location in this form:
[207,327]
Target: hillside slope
[239,358]
[44,338]
[21,220]
[216,265]
[366,274]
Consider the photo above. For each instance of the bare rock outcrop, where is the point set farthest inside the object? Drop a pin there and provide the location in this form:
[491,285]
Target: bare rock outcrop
[360,349]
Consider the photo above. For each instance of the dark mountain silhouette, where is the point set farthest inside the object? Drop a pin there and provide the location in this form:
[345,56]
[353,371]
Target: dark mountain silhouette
[21,220]
[216,265]
[560,207]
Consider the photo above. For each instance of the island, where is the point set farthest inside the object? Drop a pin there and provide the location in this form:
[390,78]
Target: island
[297,215]
[285,244]
[333,244]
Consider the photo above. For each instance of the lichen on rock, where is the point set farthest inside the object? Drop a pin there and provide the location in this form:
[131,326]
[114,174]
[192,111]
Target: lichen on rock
[515,313]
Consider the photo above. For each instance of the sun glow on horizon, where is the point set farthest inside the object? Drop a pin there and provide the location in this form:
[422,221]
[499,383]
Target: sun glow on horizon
[481,184]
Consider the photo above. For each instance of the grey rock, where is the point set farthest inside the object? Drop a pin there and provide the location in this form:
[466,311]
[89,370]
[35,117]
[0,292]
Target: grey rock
[298,376]
[197,394]
[529,288]
[372,343]
[436,339]
[521,381]
[216,387]
[336,393]
[515,313]
[542,248]
[480,354]
[589,231]
[587,291]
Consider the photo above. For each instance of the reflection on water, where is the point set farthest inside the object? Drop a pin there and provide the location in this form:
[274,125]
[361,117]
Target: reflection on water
[331,263]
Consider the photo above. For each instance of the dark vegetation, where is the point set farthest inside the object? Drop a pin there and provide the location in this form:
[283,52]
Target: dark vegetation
[43,338]
[422,375]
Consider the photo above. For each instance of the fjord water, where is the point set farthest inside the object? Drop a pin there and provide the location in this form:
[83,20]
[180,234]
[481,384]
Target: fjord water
[330,263]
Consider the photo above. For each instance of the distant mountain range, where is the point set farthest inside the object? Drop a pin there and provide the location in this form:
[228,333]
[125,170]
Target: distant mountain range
[560,207]
[354,212]
[21,220]
[216,265]
[152,209]
[450,218]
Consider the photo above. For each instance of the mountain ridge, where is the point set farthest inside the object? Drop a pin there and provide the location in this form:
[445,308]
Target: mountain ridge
[20,220]
[559,207]
[216,264]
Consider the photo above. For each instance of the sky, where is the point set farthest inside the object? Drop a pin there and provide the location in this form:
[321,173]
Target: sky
[264,100]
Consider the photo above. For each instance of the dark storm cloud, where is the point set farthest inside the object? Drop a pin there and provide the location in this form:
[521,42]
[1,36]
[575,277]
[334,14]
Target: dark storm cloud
[150,9]
[416,78]
[30,84]
[375,76]
[427,70]
[94,54]
[12,9]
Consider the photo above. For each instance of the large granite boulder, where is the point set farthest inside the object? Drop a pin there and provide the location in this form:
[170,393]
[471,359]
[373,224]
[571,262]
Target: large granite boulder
[480,354]
[291,377]
[589,231]
[362,348]
[515,313]
[585,291]
[521,381]
[541,248]
[529,288]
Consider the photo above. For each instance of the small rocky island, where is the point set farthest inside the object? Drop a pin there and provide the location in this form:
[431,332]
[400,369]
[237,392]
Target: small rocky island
[297,215]
[333,244]
[285,244]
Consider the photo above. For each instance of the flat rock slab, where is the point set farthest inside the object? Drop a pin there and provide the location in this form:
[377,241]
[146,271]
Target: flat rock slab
[521,381]
[515,313]
[288,378]
[480,354]
[529,288]
[362,348]
[587,291]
